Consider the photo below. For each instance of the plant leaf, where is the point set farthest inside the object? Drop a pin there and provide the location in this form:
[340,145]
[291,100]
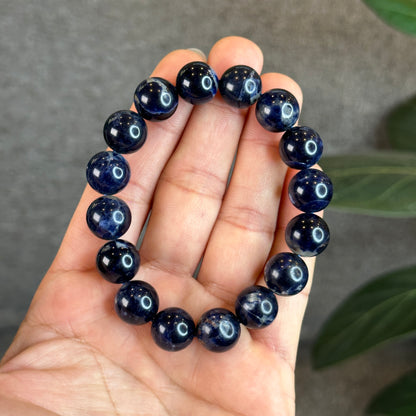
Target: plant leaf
[401,126]
[398,399]
[381,184]
[401,14]
[381,310]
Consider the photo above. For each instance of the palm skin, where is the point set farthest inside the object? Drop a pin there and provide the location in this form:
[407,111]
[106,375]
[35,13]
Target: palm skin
[74,356]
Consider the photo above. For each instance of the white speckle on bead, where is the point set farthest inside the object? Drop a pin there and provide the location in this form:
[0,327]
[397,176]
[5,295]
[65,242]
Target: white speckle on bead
[113,132]
[300,190]
[290,147]
[186,83]
[96,217]
[106,260]
[296,235]
[124,302]
[96,172]
[229,86]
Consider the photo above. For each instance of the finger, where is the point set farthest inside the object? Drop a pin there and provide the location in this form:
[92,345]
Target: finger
[245,228]
[79,247]
[283,335]
[191,188]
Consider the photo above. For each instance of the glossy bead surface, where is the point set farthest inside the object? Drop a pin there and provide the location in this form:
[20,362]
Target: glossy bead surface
[256,307]
[310,190]
[136,302]
[277,110]
[240,86]
[156,99]
[108,172]
[108,217]
[300,147]
[197,83]
[218,330]
[307,235]
[118,261]
[125,131]
[286,274]
[173,329]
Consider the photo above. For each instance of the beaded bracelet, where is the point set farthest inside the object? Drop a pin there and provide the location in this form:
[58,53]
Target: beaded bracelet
[109,217]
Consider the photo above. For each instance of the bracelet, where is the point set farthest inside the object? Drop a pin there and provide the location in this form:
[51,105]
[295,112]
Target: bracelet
[109,217]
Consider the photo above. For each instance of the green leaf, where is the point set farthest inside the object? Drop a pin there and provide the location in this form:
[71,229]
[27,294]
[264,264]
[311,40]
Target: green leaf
[401,14]
[380,311]
[401,126]
[381,184]
[398,399]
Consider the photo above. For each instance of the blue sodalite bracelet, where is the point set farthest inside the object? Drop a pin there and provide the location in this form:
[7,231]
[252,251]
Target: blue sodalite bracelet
[108,217]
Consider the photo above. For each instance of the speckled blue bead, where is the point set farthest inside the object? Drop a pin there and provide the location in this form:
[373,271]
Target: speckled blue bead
[240,86]
[108,217]
[136,302]
[256,307]
[118,261]
[108,172]
[310,190]
[155,99]
[173,329]
[218,330]
[307,235]
[286,274]
[300,147]
[125,131]
[197,83]
[277,110]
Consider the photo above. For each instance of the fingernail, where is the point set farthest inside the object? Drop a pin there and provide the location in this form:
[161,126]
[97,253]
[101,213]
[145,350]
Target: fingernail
[198,51]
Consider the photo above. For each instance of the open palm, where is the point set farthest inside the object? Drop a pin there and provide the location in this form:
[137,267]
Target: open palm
[74,356]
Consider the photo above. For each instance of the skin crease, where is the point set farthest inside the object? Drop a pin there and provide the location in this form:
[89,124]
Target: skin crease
[72,354]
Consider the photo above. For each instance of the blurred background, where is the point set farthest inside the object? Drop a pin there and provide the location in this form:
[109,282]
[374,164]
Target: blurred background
[66,65]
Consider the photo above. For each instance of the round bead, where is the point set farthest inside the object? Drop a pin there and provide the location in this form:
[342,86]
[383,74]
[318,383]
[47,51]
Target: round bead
[310,190]
[197,83]
[277,110]
[218,330]
[256,307]
[173,329]
[286,274]
[307,235]
[155,99]
[300,147]
[108,217]
[136,302]
[240,86]
[125,131]
[118,261]
[108,172]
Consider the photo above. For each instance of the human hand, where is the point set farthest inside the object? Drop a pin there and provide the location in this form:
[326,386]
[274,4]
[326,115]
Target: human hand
[74,356]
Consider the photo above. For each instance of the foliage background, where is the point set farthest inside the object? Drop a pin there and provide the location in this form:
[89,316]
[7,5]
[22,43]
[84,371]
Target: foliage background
[66,65]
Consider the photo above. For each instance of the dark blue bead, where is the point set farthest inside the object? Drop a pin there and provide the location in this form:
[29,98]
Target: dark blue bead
[240,86]
[197,83]
[256,307]
[118,261]
[310,190]
[307,235]
[300,147]
[173,329]
[108,172]
[277,110]
[218,330]
[125,131]
[136,302]
[155,99]
[286,274]
[108,217]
